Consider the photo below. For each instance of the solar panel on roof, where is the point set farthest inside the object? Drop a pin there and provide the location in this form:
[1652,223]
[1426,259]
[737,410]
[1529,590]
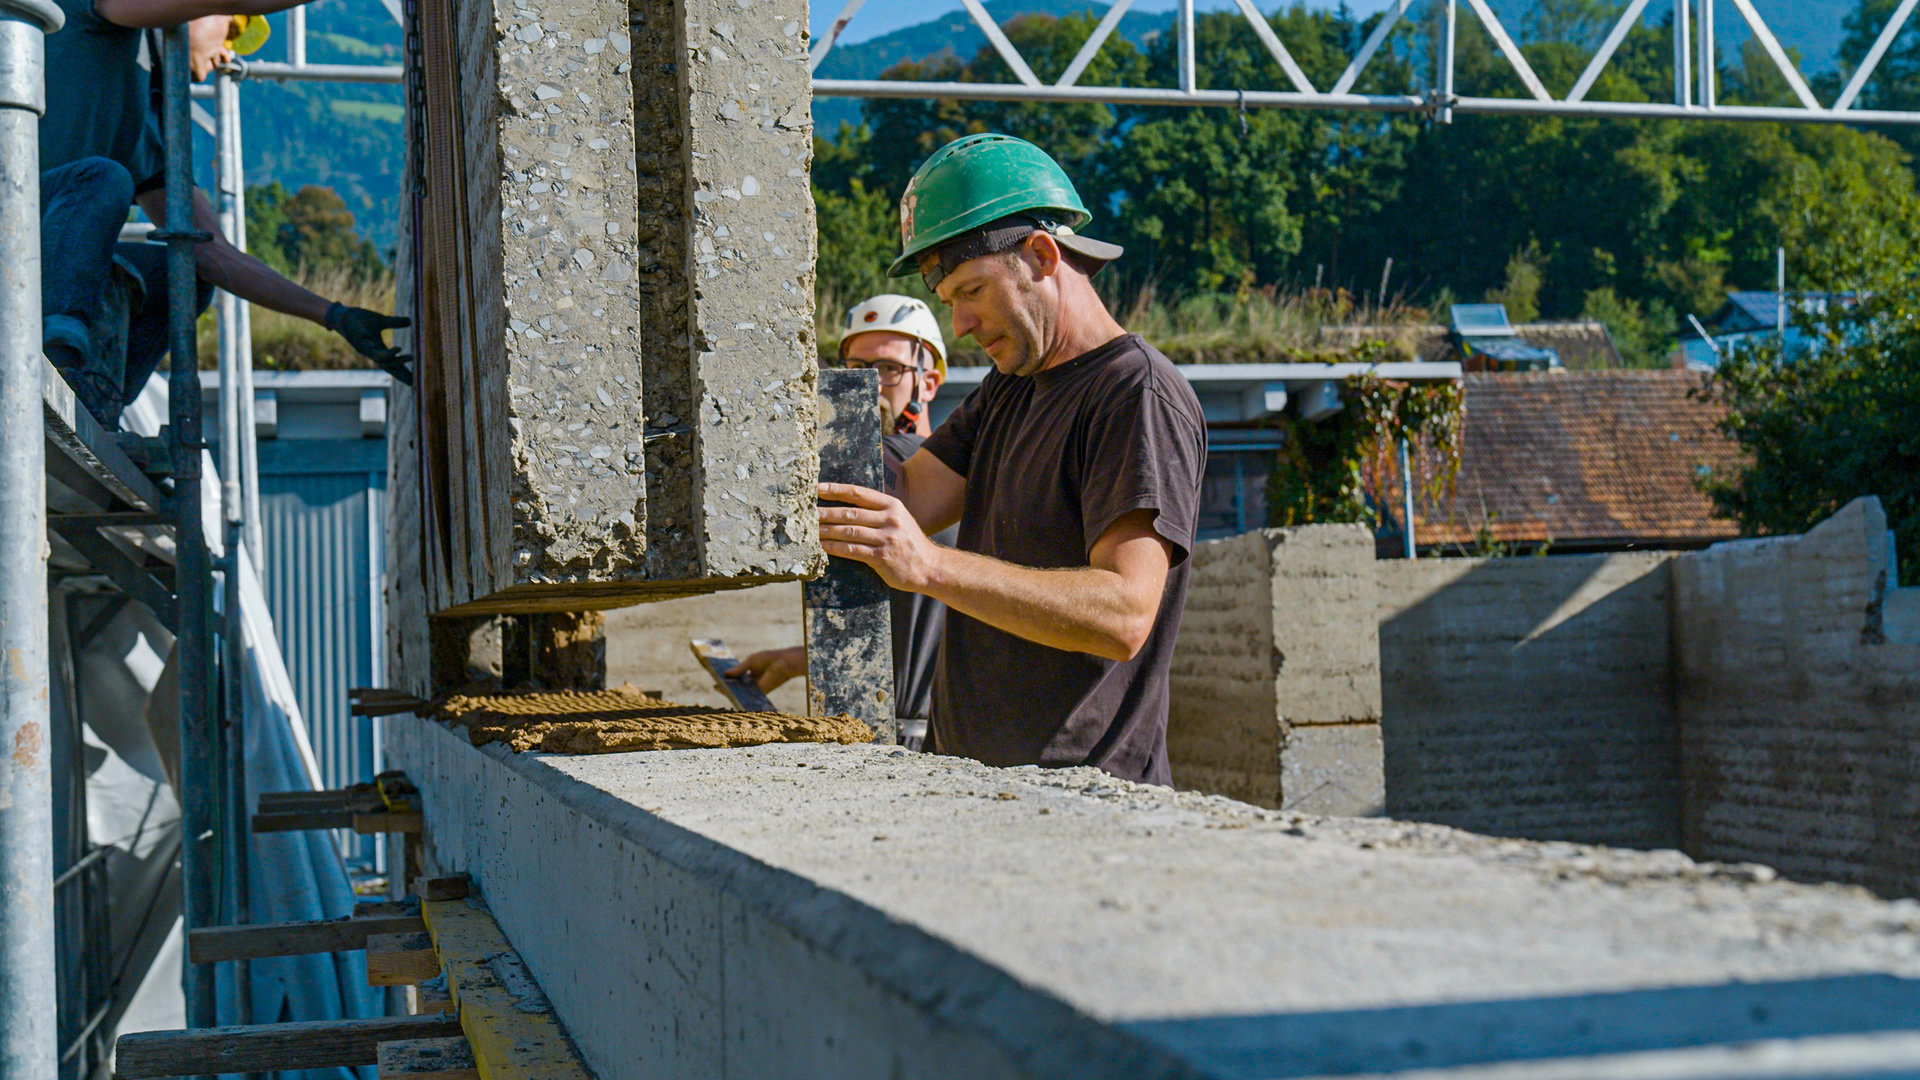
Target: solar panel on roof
[1473,320]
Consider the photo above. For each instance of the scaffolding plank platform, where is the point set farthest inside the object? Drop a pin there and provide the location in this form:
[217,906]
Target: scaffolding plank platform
[511,1026]
[76,439]
[428,1059]
[401,959]
[307,1044]
[212,944]
[299,820]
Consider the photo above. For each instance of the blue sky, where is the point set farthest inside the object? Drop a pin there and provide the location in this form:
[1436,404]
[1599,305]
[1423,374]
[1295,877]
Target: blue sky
[879,17]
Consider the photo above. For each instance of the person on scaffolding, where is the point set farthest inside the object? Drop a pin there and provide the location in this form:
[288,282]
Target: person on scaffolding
[1074,472]
[101,152]
[900,340]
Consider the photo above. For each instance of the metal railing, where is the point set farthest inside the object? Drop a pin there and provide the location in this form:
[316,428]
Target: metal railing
[29,1020]
[1694,54]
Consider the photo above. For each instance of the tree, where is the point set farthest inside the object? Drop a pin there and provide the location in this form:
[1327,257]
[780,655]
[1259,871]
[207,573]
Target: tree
[1520,292]
[1840,418]
[1644,336]
[308,230]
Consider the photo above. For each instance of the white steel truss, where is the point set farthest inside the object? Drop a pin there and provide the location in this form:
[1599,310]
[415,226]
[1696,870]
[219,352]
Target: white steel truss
[1693,71]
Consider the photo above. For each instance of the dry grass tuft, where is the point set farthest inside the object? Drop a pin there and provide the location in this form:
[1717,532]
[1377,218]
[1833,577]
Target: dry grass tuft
[1264,325]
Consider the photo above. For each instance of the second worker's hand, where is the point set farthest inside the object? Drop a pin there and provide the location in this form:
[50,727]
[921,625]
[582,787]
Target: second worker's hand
[772,667]
[875,528]
[363,330]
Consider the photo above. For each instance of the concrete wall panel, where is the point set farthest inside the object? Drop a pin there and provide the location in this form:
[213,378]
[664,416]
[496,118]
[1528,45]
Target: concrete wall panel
[602,312]
[1800,704]
[1278,637]
[856,912]
[1531,697]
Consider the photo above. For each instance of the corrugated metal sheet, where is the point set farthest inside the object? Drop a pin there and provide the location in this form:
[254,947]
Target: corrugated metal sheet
[323,514]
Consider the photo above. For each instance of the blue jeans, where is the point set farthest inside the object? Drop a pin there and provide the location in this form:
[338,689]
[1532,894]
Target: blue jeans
[147,337]
[82,206]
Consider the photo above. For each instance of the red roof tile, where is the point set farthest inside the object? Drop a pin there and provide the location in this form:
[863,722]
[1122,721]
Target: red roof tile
[1590,458]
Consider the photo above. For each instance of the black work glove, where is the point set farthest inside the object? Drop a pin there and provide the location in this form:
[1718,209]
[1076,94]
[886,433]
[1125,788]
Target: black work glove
[362,329]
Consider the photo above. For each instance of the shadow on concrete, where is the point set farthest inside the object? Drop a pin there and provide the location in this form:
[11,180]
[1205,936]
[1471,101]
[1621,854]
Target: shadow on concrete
[1532,697]
[1481,1033]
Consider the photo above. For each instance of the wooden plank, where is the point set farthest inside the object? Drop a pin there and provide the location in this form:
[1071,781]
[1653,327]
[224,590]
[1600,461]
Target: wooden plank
[743,693]
[374,824]
[213,944]
[307,1044]
[429,997]
[849,612]
[428,1059]
[451,887]
[401,959]
[300,820]
[509,1023]
[418,706]
[293,802]
[283,802]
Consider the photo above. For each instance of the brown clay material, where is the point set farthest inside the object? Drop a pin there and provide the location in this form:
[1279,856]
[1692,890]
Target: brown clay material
[610,721]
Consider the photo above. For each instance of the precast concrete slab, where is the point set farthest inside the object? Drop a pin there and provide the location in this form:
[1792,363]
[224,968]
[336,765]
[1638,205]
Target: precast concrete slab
[848,912]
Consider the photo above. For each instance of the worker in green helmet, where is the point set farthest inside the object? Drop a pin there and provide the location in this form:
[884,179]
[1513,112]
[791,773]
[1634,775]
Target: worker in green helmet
[1073,470]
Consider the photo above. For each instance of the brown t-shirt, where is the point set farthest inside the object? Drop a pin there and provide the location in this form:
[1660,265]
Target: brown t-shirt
[1051,460]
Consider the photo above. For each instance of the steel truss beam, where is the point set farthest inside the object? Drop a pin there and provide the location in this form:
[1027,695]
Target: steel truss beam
[1691,101]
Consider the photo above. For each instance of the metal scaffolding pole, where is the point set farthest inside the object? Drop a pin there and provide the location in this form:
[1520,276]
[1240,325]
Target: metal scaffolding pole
[200,810]
[29,1039]
[232,484]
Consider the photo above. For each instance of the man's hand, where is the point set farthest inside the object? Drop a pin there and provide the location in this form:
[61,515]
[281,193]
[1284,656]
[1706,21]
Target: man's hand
[362,329]
[772,667]
[877,530]
[207,44]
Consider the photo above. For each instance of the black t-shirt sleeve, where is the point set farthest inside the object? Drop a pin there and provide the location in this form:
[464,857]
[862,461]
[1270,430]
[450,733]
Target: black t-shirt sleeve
[1146,453]
[952,442]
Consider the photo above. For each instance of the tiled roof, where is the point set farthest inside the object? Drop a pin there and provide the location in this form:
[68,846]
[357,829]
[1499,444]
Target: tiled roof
[1585,458]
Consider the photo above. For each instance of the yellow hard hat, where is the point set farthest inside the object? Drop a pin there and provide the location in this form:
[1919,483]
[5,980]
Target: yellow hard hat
[246,33]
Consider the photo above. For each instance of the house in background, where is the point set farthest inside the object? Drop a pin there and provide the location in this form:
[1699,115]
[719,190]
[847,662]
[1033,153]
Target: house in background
[1752,318]
[1580,344]
[1578,461]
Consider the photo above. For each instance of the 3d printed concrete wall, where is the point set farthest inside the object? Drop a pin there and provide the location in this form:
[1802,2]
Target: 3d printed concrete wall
[616,360]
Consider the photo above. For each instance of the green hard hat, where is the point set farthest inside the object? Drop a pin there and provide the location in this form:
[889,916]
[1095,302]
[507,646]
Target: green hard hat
[976,179]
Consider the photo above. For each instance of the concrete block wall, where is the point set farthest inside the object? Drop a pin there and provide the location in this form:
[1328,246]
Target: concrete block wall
[727,247]
[1799,702]
[1275,683]
[1531,697]
[863,913]
[615,305]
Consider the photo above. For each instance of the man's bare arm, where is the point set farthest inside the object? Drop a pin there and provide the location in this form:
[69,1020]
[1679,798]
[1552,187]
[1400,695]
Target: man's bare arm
[150,14]
[933,493]
[221,264]
[1106,609]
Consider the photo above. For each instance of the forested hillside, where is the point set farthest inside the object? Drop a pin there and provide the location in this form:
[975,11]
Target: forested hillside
[1635,222]
[346,137]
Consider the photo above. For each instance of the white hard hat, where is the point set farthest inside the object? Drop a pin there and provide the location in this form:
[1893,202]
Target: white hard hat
[900,315]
